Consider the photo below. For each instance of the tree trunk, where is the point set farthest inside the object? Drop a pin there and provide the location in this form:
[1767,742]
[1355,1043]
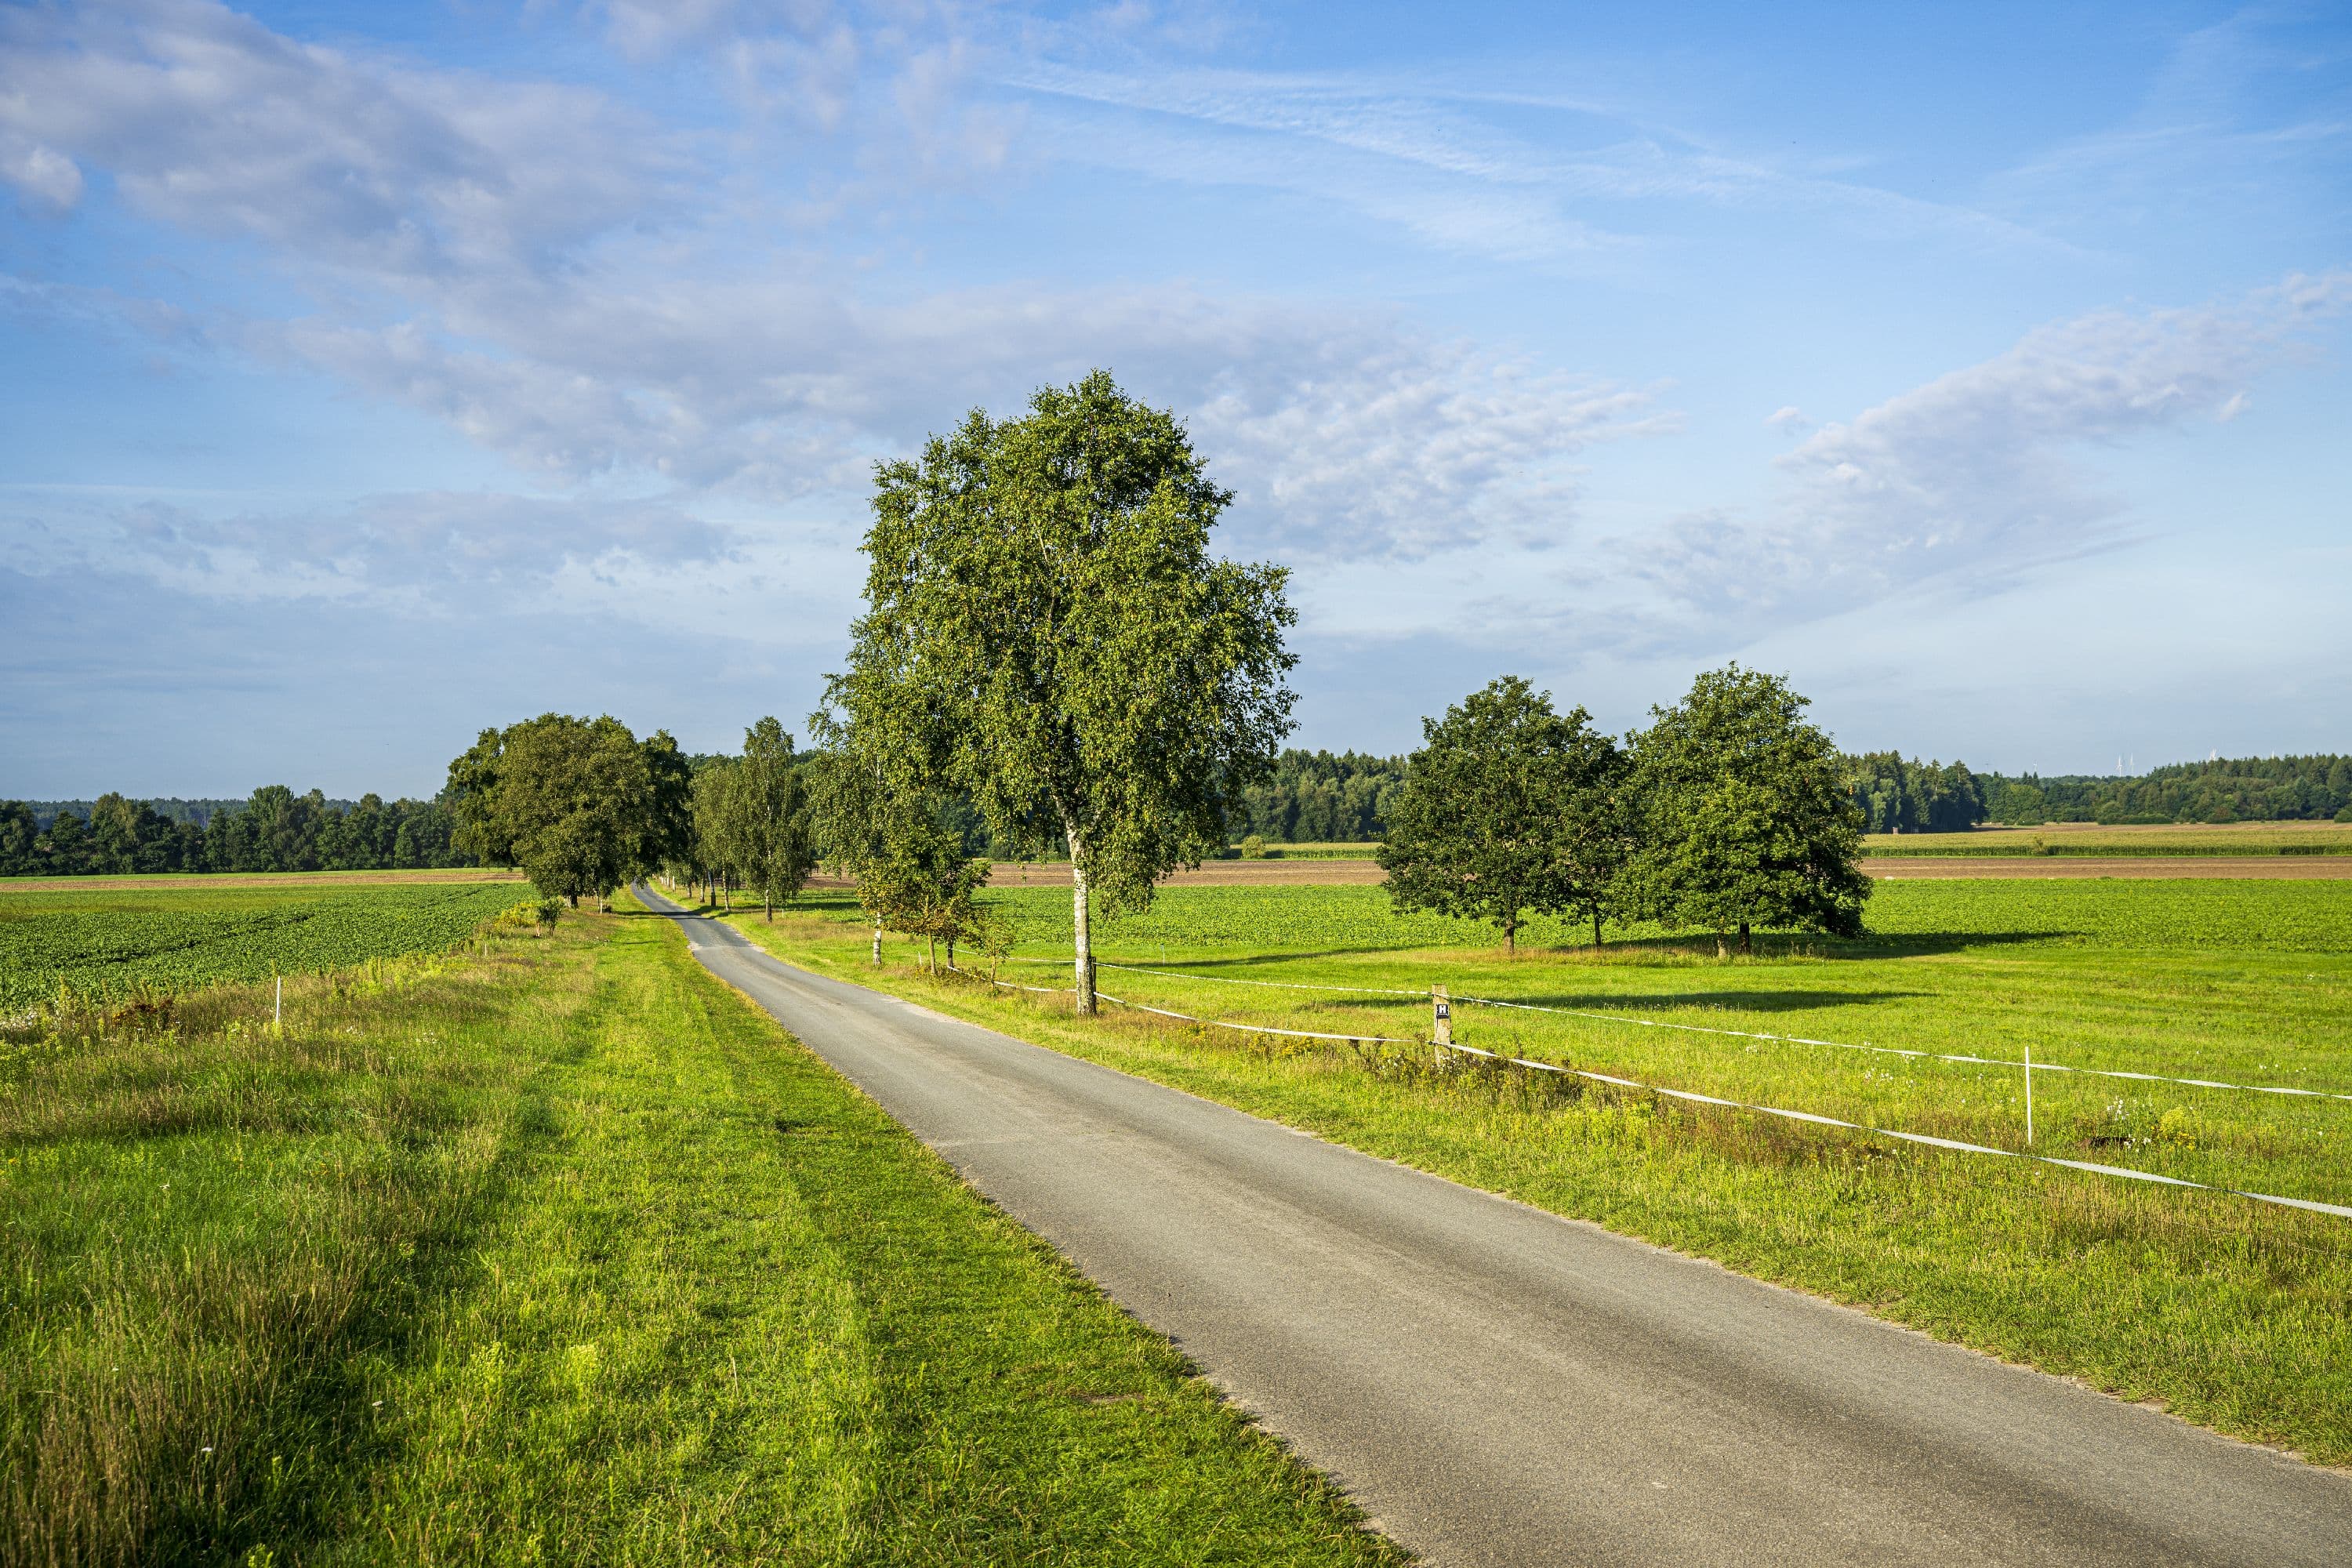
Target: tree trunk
[1746,944]
[769,905]
[1720,949]
[1081,936]
[1511,935]
[1596,926]
[931,955]
[951,951]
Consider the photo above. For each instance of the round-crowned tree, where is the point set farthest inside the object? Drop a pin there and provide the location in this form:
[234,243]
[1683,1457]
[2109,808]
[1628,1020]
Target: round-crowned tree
[1744,815]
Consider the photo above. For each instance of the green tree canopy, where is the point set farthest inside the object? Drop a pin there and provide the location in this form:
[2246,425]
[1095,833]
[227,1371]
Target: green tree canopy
[1744,814]
[1508,807]
[1047,631]
[670,835]
[570,801]
[750,817]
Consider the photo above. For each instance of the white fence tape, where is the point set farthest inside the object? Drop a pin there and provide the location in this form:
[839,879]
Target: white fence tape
[1953,1144]
[1898,1051]
[1754,1035]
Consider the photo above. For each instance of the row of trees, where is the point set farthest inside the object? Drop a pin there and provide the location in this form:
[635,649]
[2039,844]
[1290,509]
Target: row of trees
[1728,811]
[751,820]
[583,806]
[276,830]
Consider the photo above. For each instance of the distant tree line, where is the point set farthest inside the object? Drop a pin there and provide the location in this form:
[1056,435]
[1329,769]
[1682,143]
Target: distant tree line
[275,830]
[2230,789]
[1899,795]
[1350,797]
[171,808]
[1322,797]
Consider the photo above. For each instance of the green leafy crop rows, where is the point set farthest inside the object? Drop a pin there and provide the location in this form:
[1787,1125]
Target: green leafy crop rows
[114,942]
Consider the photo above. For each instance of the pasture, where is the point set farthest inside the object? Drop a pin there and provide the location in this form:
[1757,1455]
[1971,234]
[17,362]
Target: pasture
[2228,1310]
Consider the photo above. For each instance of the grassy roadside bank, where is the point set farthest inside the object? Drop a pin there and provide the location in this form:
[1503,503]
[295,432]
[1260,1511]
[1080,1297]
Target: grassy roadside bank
[561,1253]
[2231,1313]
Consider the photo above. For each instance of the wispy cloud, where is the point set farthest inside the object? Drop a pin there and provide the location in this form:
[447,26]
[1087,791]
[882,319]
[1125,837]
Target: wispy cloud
[2247,114]
[536,266]
[1468,184]
[1976,478]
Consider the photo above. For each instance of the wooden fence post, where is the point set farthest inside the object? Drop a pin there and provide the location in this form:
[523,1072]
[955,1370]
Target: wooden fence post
[1441,1022]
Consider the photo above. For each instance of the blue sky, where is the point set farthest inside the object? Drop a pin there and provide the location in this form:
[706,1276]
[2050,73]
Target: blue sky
[379,373]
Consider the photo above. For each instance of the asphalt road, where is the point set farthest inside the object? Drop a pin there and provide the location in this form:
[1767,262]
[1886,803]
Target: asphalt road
[1497,1385]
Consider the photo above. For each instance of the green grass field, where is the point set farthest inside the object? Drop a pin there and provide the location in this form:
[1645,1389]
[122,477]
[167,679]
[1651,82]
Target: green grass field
[555,1251]
[115,942]
[2230,1312]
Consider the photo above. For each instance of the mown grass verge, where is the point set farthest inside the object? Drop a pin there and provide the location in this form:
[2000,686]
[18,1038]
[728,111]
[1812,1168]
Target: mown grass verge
[2230,1312]
[559,1253]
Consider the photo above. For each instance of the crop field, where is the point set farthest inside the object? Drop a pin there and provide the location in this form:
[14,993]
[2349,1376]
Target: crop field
[2227,1309]
[114,941]
[2249,839]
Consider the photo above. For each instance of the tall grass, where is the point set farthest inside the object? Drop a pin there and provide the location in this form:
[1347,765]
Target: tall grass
[558,1252]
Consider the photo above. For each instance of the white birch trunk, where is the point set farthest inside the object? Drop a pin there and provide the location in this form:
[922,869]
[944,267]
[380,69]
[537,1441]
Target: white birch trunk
[1082,937]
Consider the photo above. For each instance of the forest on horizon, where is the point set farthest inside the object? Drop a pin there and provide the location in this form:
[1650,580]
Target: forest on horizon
[1310,797]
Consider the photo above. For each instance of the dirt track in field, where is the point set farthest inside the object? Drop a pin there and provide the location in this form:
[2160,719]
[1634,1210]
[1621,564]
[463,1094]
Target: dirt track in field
[1345,873]
[255,880]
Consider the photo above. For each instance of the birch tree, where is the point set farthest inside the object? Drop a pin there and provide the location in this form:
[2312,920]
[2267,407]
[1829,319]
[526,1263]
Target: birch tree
[1046,629]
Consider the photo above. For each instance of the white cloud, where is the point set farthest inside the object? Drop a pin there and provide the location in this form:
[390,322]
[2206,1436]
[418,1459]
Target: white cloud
[1419,447]
[429,551]
[555,278]
[38,172]
[1975,478]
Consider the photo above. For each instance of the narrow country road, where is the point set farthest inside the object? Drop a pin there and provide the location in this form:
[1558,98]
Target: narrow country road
[1497,1385]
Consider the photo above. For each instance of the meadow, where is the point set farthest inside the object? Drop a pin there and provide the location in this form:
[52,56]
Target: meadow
[121,942]
[2230,1310]
[555,1250]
